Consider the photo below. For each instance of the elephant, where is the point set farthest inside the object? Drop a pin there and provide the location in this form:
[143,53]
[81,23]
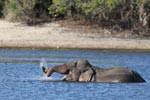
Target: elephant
[83,71]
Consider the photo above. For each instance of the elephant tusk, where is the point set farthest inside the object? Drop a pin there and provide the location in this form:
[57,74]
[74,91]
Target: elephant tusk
[90,78]
[70,72]
[64,77]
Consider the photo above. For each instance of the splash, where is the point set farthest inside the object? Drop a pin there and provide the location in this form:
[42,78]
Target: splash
[43,63]
[50,79]
[45,78]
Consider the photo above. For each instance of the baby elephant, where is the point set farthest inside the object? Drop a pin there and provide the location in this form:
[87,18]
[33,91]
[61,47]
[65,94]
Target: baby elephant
[83,71]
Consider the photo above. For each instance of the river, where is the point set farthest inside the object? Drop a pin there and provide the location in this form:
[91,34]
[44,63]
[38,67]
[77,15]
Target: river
[21,77]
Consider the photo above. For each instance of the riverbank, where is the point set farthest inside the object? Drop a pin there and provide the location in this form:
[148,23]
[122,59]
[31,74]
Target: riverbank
[55,35]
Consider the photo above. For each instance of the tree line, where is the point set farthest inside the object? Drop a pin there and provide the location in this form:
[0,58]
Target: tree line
[126,14]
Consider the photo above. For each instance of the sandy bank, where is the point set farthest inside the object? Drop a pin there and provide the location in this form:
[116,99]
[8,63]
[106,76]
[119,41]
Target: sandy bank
[53,35]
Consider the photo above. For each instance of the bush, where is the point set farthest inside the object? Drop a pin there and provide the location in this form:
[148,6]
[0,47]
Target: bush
[128,14]
[65,9]
[89,9]
[41,8]
[10,10]
[30,11]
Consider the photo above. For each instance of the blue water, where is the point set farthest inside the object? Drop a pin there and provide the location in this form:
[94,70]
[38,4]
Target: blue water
[22,79]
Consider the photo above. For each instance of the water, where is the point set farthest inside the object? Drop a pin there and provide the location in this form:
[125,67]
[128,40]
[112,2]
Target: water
[21,77]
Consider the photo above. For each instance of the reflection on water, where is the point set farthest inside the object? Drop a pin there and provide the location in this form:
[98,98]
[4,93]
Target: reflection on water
[21,77]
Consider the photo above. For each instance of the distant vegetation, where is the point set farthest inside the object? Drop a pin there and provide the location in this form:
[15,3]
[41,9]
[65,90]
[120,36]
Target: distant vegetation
[30,11]
[125,14]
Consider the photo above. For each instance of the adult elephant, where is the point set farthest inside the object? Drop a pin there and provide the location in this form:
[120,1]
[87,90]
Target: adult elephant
[83,71]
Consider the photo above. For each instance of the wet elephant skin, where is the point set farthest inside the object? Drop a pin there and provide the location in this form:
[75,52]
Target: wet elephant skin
[83,71]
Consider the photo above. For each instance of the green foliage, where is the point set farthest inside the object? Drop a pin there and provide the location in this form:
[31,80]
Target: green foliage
[27,10]
[99,9]
[11,5]
[142,1]
[10,10]
[88,8]
[111,4]
[65,8]
[125,13]
[2,3]
[58,8]
[18,9]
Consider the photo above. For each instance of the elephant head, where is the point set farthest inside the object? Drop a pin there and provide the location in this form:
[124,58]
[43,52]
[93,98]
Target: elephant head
[74,71]
[83,71]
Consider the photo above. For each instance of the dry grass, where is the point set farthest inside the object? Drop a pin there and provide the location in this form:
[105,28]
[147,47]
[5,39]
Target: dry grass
[66,35]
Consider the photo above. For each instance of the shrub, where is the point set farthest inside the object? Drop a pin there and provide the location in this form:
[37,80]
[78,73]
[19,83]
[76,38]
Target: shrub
[10,11]
[125,13]
[41,8]
[30,11]
[65,8]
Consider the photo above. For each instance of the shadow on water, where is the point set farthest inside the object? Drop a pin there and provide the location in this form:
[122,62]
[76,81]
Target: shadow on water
[21,77]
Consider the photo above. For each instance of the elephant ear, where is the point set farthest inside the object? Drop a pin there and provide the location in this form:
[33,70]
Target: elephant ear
[87,75]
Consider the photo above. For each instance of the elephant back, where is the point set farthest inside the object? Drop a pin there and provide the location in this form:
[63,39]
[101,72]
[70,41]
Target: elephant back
[137,77]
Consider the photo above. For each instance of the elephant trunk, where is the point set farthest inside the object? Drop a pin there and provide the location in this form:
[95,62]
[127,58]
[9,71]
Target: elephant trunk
[61,69]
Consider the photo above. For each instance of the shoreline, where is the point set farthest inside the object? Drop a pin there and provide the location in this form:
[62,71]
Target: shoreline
[53,35]
[106,44]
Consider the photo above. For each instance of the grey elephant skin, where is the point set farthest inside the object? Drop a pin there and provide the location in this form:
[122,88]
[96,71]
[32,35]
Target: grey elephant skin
[83,71]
